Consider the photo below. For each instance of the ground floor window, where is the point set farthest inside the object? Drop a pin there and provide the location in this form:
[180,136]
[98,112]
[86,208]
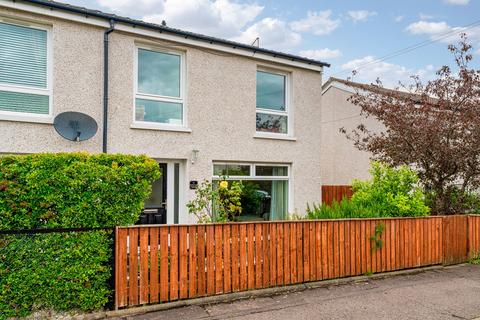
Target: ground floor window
[266,188]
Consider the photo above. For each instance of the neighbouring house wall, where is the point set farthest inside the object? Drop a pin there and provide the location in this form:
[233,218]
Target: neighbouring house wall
[341,160]
[77,86]
[220,106]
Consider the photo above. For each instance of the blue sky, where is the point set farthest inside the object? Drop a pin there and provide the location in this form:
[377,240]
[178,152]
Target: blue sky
[349,34]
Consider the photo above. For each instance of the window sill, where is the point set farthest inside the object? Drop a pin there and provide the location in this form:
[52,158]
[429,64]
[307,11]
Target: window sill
[274,137]
[26,118]
[147,126]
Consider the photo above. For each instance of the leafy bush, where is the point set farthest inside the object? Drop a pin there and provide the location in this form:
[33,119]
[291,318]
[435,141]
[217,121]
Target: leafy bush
[217,203]
[64,271]
[392,192]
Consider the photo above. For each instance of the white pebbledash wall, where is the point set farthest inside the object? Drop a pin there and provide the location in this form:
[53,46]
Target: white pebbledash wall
[220,106]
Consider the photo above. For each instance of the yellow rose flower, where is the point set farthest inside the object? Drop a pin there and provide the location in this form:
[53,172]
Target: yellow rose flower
[224,184]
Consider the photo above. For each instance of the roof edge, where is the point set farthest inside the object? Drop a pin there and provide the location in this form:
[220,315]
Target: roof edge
[173,31]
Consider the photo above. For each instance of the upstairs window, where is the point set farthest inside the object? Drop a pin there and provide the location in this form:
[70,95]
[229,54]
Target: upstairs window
[272,114]
[159,87]
[24,67]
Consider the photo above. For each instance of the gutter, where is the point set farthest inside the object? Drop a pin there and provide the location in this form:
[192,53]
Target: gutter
[177,32]
[105,85]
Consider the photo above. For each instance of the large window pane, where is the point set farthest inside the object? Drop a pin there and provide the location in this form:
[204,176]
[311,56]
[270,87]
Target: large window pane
[23,102]
[266,171]
[158,73]
[264,200]
[231,170]
[23,56]
[158,111]
[272,123]
[270,91]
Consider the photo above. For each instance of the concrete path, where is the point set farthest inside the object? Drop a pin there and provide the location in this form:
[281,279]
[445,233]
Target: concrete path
[451,293]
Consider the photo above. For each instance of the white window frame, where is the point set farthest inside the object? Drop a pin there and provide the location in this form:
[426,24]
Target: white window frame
[288,106]
[254,177]
[47,91]
[160,98]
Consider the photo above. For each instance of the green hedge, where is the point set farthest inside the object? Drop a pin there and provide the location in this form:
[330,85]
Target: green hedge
[65,271]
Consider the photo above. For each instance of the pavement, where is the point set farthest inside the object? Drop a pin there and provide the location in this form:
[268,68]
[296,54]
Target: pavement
[448,293]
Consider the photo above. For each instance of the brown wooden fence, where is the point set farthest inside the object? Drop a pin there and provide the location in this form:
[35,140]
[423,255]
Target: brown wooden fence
[335,193]
[167,263]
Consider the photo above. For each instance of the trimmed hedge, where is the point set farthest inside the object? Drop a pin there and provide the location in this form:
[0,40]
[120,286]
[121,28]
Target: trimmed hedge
[65,271]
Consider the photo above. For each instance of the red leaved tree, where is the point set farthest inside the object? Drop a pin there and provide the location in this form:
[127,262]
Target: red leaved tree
[432,127]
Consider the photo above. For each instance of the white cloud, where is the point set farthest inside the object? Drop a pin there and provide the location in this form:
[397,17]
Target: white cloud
[457,2]
[429,28]
[399,18]
[360,15]
[133,7]
[222,18]
[321,54]
[273,34]
[390,74]
[443,32]
[424,16]
[317,22]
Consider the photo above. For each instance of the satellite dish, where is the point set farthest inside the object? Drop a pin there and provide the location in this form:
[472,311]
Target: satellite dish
[75,126]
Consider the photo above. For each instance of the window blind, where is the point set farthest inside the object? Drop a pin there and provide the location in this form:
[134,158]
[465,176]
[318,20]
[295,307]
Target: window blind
[23,63]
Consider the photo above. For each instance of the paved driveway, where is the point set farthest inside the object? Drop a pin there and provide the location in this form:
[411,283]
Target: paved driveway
[451,293]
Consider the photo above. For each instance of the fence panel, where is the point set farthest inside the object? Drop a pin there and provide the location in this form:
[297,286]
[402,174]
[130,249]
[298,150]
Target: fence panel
[474,236]
[455,243]
[167,263]
[336,193]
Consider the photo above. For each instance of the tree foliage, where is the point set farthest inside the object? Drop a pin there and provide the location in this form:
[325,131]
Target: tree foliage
[432,127]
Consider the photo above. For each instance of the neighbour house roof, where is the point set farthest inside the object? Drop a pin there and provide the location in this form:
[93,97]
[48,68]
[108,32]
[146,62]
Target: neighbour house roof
[54,5]
[372,88]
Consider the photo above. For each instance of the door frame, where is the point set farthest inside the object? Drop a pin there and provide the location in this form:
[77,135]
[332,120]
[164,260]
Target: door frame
[171,188]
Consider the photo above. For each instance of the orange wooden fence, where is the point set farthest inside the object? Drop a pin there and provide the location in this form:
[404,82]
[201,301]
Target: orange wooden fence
[335,193]
[167,263]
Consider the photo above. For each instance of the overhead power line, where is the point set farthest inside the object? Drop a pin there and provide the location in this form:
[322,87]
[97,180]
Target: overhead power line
[413,47]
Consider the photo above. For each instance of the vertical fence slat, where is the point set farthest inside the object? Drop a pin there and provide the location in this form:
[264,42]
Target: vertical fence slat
[243,257]
[311,231]
[273,242]
[192,261]
[293,253]
[306,252]
[218,258]
[318,250]
[210,259]
[144,288]
[287,279]
[251,255]
[202,270]
[299,251]
[330,250]
[174,257]
[164,264]
[121,267]
[258,256]
[324,235]
[154,279]
[183,263]
[280,250]
[235,256]
[227,262]
[133,267]
[266,255]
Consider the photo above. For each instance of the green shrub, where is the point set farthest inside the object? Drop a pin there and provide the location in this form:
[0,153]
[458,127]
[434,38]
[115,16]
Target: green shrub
[392,192]
[65,271]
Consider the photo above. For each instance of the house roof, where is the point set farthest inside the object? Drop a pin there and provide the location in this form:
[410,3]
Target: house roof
[181,33]
[372,88]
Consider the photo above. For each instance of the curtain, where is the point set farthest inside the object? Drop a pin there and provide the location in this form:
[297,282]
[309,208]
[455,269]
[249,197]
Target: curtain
[279,205]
